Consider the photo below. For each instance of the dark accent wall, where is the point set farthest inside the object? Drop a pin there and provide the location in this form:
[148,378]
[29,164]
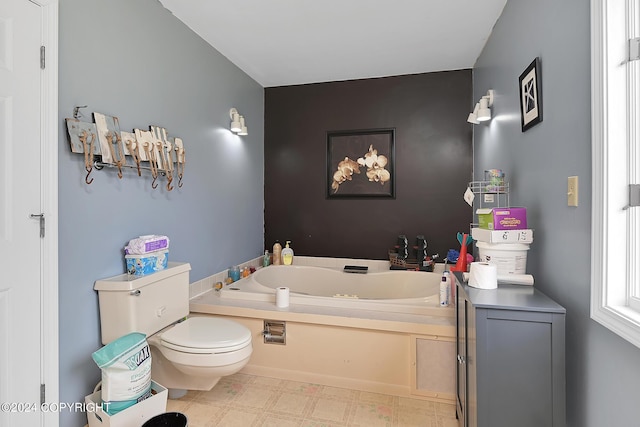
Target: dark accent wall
[433,164]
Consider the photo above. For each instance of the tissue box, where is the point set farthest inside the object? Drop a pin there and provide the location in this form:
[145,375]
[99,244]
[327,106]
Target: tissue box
[141,265]
[502,218]
[133,416]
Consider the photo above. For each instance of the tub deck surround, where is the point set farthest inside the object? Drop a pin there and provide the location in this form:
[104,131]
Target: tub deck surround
[439,325]
[403,352]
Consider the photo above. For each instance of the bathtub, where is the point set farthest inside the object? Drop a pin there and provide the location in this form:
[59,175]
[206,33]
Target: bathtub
[380,332]
[411,292]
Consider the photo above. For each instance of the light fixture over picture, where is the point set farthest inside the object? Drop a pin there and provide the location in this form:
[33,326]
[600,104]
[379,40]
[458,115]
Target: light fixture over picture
[482,110]
[238,125]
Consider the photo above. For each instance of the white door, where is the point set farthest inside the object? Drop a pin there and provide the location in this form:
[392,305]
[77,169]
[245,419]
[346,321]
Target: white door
[20,198]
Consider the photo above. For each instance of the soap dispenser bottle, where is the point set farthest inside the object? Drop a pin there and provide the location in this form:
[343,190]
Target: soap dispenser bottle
[287,254]
[277,252]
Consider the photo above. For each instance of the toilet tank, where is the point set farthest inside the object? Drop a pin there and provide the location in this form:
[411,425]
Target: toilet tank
[143,303]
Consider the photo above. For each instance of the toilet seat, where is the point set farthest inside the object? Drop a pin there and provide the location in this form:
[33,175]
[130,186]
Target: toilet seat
[206,335]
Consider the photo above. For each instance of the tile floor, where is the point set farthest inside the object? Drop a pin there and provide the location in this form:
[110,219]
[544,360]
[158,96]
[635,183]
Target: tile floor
[246,401]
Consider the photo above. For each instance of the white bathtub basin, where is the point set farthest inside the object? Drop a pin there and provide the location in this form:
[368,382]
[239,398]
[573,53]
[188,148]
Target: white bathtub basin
[398,291]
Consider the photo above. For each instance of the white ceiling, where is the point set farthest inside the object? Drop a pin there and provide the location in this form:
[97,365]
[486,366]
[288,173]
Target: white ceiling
[288,42]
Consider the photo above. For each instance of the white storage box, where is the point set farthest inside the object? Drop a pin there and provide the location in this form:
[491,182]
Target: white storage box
[133,416]
[502,236]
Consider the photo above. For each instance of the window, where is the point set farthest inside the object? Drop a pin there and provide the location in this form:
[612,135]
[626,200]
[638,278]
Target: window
[615,234]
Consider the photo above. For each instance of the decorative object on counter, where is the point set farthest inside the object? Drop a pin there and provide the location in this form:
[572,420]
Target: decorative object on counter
[277,253]
[105,145]
[287,254]
[461,263]
[399,256]
[265,259]
[421,248]
[348,151]
[234,273]
[530,83]
[402,247]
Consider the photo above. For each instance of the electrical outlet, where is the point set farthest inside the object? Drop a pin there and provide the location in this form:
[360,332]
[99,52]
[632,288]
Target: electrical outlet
[572,191]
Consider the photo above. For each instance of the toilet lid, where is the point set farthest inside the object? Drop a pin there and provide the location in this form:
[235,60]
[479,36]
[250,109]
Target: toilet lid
[212,333]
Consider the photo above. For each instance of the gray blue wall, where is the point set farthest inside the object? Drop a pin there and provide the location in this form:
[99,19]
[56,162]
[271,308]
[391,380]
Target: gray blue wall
[602,368]
[136,61]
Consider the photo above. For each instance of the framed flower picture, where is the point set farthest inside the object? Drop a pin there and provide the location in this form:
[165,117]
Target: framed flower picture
[360,163]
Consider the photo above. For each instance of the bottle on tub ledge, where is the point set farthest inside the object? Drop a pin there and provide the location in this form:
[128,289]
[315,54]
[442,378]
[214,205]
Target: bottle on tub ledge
[287,254]
[277,253]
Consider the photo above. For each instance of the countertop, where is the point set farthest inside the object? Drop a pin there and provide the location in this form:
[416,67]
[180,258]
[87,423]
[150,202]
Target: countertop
[510,297]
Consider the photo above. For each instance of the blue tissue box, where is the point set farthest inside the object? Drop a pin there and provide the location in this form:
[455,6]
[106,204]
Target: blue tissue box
[141,265]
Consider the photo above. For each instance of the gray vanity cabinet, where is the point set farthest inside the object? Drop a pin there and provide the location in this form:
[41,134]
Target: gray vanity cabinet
[510,358]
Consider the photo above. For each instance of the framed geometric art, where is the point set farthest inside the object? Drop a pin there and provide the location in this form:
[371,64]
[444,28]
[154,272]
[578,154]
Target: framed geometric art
[530,95]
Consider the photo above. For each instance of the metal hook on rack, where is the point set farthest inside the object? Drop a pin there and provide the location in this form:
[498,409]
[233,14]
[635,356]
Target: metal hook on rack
[76,111]
[86,179]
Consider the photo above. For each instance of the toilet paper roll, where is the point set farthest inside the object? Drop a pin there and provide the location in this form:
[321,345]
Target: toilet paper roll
[282,297]
[483,275]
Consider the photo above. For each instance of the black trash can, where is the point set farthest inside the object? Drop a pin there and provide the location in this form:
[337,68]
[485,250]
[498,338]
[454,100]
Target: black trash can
[168,419]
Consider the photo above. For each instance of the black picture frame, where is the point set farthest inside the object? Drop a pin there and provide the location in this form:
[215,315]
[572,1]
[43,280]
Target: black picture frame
[372,176]
[530,89]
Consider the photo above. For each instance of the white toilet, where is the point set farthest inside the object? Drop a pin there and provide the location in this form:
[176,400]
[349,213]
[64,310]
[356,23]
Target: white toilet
[190,355]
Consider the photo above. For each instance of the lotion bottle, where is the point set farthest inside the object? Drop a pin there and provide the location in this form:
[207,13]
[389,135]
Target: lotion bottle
[277,252]
[444,292]
[287,254]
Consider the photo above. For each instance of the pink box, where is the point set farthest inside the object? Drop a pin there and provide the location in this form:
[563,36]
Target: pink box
[502,218]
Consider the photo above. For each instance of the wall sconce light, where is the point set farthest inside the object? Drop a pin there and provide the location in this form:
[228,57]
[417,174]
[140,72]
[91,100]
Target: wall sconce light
[473,116]
[243,127]
[482,110]
[237,123]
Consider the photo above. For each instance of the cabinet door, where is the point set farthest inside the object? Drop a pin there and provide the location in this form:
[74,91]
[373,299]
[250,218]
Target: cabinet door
[517,370]
[461,354]
[471,363]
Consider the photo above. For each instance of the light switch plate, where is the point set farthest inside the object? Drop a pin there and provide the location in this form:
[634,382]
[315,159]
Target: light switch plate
[572,191]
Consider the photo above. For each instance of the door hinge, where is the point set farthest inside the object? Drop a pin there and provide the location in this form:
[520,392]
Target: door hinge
[42,394]
[634,195]
[42,57]
[41,218]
